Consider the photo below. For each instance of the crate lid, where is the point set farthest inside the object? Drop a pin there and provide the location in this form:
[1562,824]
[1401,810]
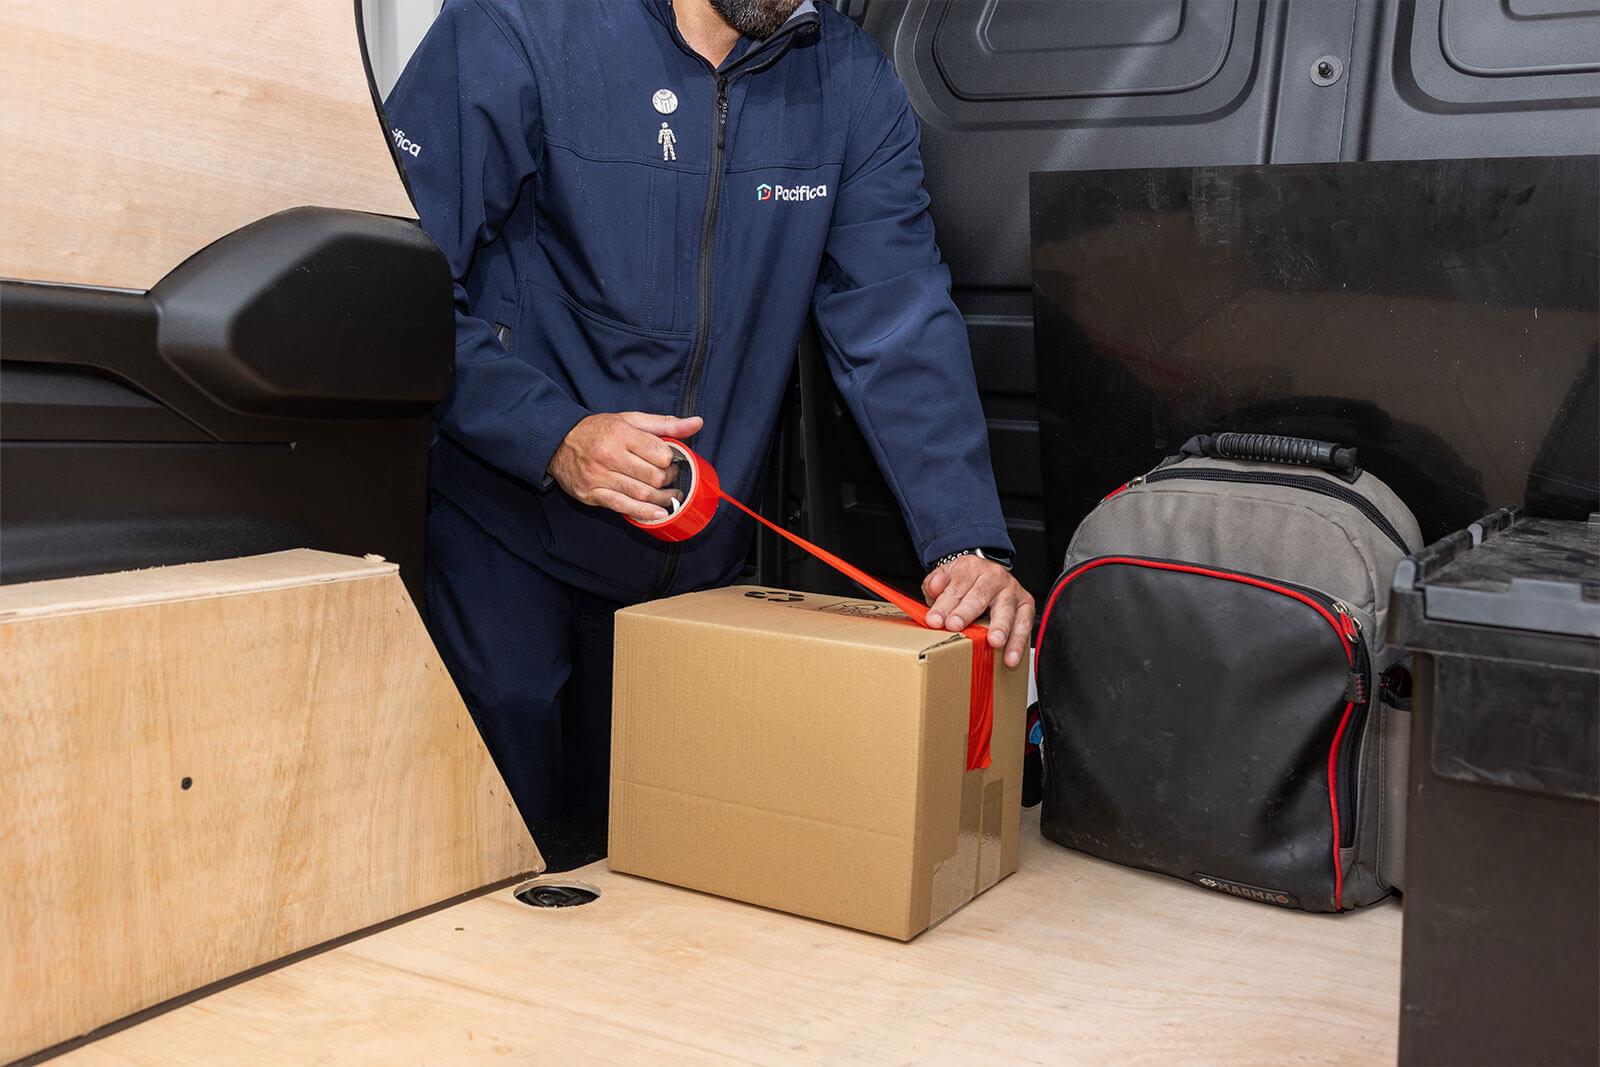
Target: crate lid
[1507,587]
[1517,573]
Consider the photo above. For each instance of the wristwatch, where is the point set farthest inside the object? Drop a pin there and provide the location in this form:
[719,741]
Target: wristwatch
[993,555]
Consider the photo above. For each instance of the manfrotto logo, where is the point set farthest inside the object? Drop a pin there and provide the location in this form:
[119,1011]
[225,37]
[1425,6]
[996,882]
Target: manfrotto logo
[404,143]
[1248,892]
[790,192]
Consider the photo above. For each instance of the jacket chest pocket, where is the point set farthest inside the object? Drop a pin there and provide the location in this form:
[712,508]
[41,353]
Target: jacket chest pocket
[613,233]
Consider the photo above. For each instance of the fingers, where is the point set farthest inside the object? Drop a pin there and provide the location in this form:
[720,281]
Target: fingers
[964,589]
[642,468]
[1019,632]
[617,461]
[965,594]
[663,425]
[970,584]
[650,459]
[644,511]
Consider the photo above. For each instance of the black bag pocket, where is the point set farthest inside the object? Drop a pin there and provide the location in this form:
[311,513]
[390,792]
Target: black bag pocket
[1203,723]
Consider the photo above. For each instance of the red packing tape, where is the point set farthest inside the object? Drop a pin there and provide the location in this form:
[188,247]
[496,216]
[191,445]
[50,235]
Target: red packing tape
[700,504]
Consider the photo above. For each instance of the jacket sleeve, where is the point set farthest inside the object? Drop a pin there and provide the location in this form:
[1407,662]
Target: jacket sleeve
[469,100]
[895,342]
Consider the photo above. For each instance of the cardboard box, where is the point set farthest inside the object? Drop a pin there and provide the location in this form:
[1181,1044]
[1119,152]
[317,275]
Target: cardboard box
[808,753]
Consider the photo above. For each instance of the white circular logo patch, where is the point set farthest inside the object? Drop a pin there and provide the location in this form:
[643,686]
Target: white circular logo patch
[665,100]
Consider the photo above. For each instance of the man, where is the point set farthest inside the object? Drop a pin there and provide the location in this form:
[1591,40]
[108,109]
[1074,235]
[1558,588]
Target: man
[641,201]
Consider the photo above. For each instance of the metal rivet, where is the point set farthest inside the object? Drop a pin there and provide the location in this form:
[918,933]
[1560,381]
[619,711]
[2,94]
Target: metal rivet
[1326,70]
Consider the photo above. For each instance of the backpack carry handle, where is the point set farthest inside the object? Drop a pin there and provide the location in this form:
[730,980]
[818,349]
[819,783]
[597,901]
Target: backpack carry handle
[1271,448]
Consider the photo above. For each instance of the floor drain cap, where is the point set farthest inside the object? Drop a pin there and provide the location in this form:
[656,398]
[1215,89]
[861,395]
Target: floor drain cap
[556,894]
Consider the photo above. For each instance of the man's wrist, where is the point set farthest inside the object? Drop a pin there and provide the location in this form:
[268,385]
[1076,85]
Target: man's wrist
[993,555]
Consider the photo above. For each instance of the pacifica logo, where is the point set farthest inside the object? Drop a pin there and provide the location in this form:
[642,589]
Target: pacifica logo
[790,192]
[404,143]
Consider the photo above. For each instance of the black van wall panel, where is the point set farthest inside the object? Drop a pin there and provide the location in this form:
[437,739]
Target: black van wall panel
[1014,86]
[1313,82]
[1021,50]
[1009,87]
[1454,79]
[87,507]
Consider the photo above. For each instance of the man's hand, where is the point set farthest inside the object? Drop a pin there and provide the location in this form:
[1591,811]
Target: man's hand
[619,461]
[963,589]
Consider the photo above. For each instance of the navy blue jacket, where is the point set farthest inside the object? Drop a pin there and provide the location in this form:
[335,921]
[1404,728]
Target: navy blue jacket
[595,275]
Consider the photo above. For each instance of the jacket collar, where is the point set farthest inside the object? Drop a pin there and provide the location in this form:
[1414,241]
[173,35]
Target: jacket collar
[796,28]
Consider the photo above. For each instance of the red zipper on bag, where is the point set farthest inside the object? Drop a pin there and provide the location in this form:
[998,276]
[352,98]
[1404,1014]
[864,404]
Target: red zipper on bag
[1342,622]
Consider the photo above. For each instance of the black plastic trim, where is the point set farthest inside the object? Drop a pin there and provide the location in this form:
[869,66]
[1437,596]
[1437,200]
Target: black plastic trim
[313,311]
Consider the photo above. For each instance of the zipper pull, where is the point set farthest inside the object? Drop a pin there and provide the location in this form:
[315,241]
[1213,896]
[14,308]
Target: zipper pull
[1349,625]
[1123,488]
[722,111]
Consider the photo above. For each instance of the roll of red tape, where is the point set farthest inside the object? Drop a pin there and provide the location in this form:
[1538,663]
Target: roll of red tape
[699,503]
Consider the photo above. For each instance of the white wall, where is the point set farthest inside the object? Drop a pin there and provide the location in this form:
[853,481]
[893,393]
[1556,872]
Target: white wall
[393,29]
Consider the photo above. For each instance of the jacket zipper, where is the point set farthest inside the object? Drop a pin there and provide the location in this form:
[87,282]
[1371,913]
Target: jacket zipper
[1312,485]
[708,241]
[1341,773]
[702,336]
[774,49]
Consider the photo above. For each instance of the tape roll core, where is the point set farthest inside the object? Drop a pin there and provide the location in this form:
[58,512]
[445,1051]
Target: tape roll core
[699,501]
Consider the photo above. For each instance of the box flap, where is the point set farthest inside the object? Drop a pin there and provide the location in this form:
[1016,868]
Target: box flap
[804,615]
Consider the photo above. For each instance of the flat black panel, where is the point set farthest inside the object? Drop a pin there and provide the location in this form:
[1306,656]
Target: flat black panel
[1437,315]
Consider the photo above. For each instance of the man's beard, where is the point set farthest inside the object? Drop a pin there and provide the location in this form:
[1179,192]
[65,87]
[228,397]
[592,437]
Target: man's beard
[758,19]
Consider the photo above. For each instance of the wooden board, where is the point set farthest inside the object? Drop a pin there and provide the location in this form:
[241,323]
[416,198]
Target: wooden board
[1069,961]
[137,134]
[219,764]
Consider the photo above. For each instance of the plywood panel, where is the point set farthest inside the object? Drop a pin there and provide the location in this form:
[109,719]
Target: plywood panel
[1072,960]
[267,757]
[137,134]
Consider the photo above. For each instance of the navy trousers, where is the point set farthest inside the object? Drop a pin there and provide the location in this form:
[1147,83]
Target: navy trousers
[532,659]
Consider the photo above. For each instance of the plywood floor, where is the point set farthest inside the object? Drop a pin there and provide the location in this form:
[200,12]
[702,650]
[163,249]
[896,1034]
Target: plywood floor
[1071,960]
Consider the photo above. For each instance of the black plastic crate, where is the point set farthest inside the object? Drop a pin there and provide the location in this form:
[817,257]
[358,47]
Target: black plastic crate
[1501,957]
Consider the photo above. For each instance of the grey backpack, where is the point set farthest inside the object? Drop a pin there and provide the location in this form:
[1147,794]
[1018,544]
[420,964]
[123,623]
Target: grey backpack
[1217,698]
